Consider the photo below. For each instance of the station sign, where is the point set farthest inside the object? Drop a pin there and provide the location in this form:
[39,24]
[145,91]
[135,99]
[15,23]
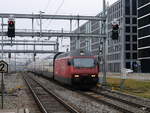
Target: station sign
[3,67]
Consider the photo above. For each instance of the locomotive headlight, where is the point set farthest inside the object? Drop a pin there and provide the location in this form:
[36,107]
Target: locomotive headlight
[76,76]
[93,75]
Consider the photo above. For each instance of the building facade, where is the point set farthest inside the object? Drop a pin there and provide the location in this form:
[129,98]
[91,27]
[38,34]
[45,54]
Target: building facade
[144,34]
[122,51]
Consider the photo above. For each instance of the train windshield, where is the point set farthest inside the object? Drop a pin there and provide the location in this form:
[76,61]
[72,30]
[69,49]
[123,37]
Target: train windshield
[83,62]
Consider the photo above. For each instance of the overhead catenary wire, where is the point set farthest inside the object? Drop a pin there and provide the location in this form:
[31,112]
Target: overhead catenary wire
[46,7]
[59,7]
[57,10]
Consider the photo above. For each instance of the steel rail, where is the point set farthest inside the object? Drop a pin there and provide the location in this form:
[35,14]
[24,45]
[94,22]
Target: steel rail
[36,97]
[120,97]
[67,106]
[125,108]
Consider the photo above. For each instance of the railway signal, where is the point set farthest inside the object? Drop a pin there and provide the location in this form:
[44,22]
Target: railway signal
[11,28]
[115,30]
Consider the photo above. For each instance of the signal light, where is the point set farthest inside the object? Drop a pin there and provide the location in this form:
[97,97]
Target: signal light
[9,55]
[34,54]
[115,32]
[11,29]
[93,75]
[10,22]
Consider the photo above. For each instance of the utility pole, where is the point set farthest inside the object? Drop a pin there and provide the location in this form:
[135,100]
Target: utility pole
[122,45]
[34,54]
[122,62]
[2,79]
[57,44]
[105,40]
[15,61]
[4,66]
[32,26]
[41,23]
[34,39]
[2,37]
[70,25]
[78,38]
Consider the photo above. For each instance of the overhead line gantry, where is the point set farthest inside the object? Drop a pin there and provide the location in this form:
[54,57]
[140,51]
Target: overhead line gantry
[62,17]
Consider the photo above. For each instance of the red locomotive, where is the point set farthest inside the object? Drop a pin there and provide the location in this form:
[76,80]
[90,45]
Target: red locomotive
[76,68]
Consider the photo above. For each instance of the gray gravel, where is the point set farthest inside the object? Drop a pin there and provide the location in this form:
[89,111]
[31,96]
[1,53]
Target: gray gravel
[18,99]
[79,101]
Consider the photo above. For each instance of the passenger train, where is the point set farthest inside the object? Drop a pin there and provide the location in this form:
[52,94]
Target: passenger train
[76,68]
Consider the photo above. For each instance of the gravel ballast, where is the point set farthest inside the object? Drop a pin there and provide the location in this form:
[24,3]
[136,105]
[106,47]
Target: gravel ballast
[81,102]
[17,95]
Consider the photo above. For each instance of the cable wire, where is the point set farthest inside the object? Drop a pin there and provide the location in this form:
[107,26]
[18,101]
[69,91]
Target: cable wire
[59,7]
[47,5]
[57,10]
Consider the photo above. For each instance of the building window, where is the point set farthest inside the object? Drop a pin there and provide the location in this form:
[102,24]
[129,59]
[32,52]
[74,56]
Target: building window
[94,40]
[143,11]
[134,7]
[144,32]
[128,29]
[144,21]
[128,56]
[127,38]
[134,20]
[142,2]
[134,47]
[128,47]
[128,65]
[144,53]
[127,7]
[134,38]
[127,20]
[144,42]
[134,29]
[134,55]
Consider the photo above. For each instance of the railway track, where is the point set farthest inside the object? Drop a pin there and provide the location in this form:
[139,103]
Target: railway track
[48,101]
[120,104]
[123,102]
[116,100]
[134,101]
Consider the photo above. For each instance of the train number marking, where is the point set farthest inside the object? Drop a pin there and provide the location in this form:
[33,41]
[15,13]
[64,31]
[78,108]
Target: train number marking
[3,67]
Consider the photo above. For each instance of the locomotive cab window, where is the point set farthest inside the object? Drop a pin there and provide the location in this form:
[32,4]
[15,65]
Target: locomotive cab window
[84,62]
[95,62]
[69,62]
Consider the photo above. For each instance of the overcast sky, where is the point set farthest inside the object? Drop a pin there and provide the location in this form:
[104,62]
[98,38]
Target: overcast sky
[70,7]
[85,7]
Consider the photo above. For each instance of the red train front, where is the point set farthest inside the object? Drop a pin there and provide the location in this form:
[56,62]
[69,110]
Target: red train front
[77,68]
